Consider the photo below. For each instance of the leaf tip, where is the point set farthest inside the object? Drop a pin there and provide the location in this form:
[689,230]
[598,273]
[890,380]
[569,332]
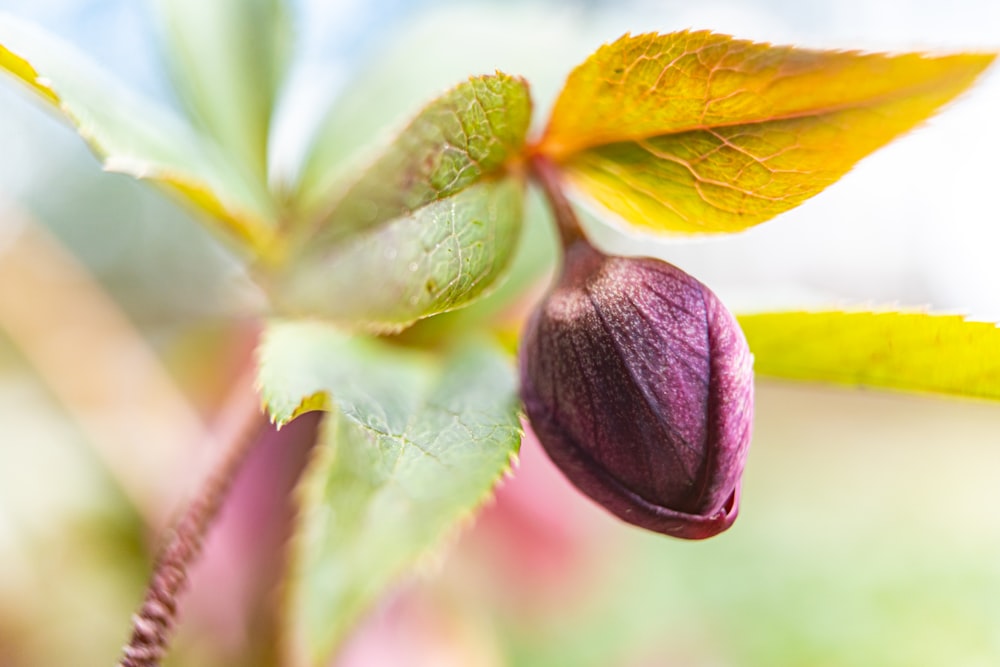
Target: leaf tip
[281,415]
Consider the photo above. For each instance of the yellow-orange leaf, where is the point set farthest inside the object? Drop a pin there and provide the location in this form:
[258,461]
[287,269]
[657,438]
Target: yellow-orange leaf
[910,351]
[695,132]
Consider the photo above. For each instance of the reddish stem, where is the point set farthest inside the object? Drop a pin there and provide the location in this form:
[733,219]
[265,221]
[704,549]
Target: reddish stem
[153,624]
[548,177]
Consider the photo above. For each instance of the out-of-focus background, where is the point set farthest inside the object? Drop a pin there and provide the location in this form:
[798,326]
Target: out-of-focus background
[869,532]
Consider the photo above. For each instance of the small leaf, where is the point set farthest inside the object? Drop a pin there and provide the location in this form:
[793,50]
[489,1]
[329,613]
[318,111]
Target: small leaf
[437,259]
[228,59]
[133,135]
[414,444]
[468,134]
[910,351]
[502,310]
[429,225]
[700,133]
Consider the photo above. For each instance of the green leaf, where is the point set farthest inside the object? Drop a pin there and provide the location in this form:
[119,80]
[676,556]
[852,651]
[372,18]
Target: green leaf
[504,308]
[700,133]
[229,58]
[435,260]
[419,59]
[429,225]
[414,444]
[910,351]
[133,135]
[468,134]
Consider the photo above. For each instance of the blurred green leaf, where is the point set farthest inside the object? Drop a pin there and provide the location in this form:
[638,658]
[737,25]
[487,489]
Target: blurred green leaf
[133,135]
[229,58]
[429,225]
[414,444]
[909,351]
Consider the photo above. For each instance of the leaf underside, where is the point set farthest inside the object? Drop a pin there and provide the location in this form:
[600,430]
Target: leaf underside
[700,133]
[413,445]
[909,351]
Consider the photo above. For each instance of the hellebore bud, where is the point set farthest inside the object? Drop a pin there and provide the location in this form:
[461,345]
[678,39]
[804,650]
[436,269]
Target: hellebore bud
[639,384]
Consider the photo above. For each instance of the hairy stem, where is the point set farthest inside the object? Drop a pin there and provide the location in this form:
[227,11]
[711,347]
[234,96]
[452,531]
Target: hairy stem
[153,623]
[547,175]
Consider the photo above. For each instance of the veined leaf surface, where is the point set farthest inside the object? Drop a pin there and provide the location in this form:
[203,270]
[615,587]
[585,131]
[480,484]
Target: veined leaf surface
[469,133]
[133,135]
[413,445]
[910,351]
[429,225]
[700,133]
[439,258]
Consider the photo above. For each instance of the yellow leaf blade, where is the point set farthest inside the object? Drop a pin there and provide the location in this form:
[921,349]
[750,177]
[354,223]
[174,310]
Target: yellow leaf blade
[910,351]
[700,133]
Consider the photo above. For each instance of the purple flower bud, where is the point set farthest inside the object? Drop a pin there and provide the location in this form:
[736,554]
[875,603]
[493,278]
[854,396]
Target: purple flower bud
[639,384]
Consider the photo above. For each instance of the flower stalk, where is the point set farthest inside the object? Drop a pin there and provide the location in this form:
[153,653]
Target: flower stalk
[547,175]
[154,623]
